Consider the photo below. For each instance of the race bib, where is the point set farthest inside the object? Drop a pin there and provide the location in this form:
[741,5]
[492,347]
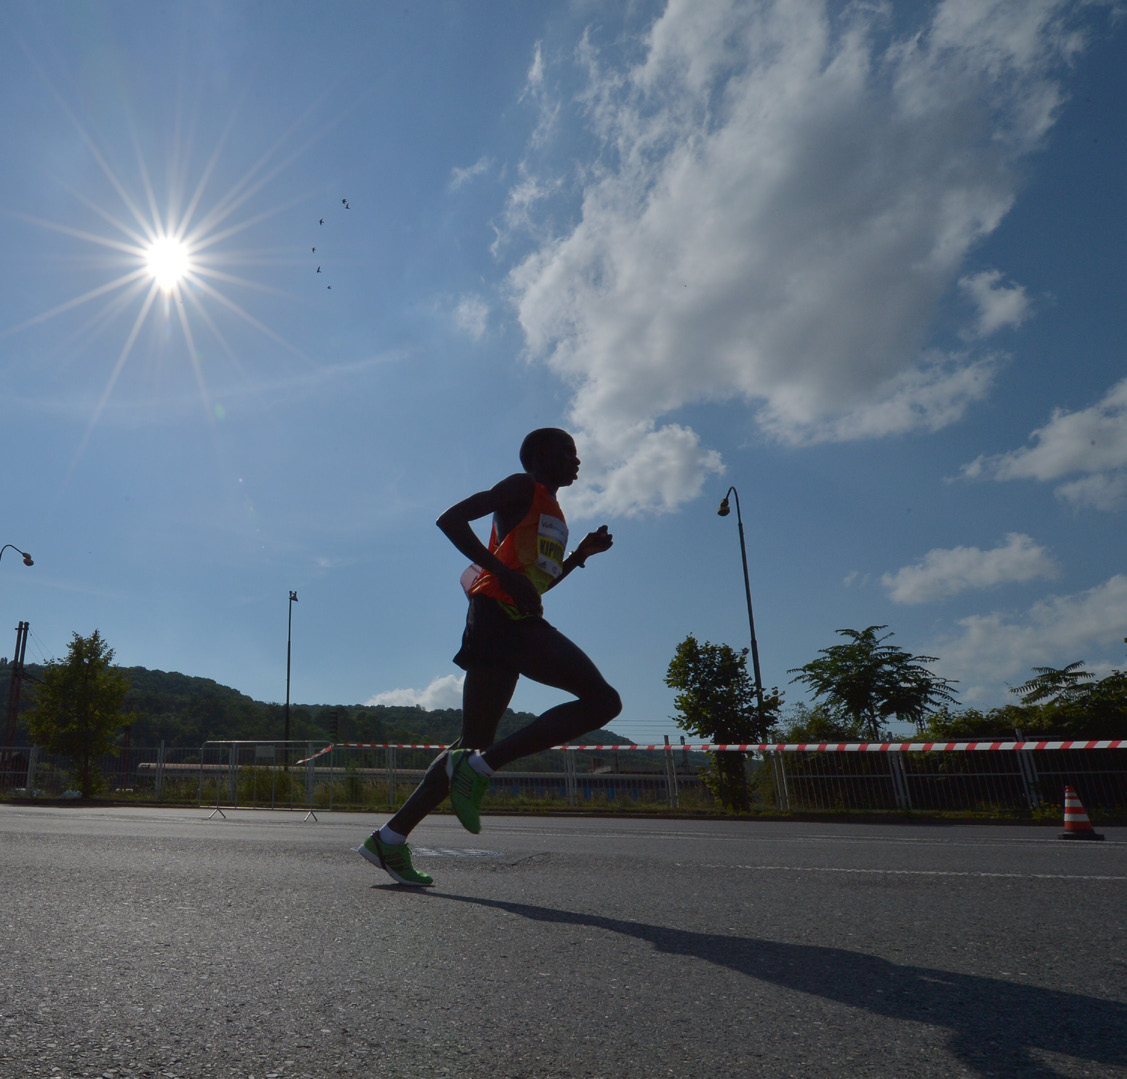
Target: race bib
[551,543]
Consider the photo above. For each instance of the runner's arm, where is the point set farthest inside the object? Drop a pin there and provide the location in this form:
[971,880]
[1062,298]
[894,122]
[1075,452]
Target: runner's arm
[509,501]
[593,543]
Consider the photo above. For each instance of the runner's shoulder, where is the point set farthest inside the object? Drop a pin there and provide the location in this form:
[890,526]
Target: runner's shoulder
[515,492]
[512,499]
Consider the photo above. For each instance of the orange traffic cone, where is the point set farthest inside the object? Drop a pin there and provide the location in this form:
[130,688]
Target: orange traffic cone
[1076,823]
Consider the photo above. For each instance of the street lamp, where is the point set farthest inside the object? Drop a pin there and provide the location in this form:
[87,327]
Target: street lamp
[17,662]
[723,511]
[289,637]
[26,557]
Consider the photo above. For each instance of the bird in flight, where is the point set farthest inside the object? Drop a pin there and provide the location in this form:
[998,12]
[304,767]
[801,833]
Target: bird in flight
[321,222]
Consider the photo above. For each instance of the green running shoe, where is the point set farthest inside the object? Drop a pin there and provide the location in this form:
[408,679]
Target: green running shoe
[467,789]
[395,860]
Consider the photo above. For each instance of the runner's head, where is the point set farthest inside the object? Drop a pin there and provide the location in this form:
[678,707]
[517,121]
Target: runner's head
[549,454]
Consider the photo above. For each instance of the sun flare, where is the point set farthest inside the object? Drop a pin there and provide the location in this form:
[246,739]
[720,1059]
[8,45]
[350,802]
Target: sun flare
[169,262]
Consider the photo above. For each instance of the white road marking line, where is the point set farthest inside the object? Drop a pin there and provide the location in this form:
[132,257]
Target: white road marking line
[455,852]
[821,837]
[908,872]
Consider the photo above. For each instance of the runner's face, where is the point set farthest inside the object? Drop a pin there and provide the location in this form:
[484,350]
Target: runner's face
[564,462]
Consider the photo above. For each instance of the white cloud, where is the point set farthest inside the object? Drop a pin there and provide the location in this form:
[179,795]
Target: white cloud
[521,204]
[1005,35]
[1101,491]
[779,200]
[998,305]
[1090,441]
[662,469]
[537,91]
[945,572]
[928,397]
[471,315]
[444,692]
[990,650]
[535,75]
[459,177]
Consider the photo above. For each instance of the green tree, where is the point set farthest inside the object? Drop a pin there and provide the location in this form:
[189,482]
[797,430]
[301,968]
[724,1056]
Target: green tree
[717,702]
[1055,686]
[871,682]
[1064,702]
[78,707]
[1096,710]
[819,724]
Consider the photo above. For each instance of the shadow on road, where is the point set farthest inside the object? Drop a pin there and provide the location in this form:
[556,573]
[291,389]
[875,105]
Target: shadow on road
[993,1023]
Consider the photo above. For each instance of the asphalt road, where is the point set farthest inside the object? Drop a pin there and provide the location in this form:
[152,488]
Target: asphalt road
[161,943]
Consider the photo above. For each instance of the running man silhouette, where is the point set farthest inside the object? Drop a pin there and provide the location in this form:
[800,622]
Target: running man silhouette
[506,636]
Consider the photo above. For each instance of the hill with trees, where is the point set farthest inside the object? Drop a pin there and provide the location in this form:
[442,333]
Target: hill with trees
[186,711]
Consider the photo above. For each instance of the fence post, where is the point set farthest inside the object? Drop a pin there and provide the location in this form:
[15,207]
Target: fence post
[778,768]
[1029,782]
[233,776]
[672,793]
[392,778]
[1027,766]
[899,780]
[218,781]
[569,777]
[159,783]
[310,780]
[32,761]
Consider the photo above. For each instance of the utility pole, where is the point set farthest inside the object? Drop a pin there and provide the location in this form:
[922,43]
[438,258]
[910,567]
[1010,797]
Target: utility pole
[723,511]
[289,638]
[14,684]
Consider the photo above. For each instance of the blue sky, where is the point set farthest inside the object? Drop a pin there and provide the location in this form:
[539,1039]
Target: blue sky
[864,262]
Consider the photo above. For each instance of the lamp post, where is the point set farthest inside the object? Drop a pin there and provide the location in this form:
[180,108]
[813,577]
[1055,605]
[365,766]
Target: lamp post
[289,638]
[723,511]
[27,561]
[17,664]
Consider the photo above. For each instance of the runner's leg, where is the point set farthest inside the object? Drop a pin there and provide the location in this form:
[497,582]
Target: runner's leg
[553,660]
[486,693]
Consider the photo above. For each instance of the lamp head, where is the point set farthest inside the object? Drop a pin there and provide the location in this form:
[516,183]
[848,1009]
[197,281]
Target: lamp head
[724,509]
[27,559]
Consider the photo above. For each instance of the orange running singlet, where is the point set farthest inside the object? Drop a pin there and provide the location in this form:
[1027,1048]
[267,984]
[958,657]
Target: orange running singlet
[535,547]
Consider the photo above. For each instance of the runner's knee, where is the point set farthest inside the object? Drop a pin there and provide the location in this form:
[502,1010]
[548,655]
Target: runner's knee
[604,703]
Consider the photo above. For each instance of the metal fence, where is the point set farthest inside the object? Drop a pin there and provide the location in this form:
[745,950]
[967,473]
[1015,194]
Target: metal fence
[990,779]
[980,777]
[613,777]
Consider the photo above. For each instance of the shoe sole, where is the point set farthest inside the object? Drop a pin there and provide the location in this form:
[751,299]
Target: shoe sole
[377,861]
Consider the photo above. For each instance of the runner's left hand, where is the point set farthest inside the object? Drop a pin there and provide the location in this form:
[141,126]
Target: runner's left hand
[595,542]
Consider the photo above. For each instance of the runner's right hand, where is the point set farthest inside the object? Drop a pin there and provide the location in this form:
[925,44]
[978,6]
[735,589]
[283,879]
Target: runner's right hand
[524,593]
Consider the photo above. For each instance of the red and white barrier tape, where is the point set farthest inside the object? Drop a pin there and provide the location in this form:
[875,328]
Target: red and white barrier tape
[787,747]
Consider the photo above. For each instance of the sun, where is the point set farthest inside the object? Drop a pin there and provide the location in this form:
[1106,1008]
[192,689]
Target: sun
[169,262]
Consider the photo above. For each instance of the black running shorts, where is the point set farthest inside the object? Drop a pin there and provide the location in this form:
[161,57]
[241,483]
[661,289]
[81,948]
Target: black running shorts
[491,636]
